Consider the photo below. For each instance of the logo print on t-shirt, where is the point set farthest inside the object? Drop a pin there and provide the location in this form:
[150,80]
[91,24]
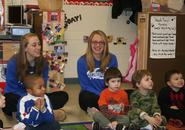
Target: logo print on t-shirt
[96,74]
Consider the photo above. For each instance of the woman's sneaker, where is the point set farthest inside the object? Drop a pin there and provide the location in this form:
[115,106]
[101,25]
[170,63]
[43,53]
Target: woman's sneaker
[95,126]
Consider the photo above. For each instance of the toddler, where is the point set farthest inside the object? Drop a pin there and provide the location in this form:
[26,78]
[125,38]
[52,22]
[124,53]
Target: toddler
[172,98]
[34,109]
[145,112]
[113,103]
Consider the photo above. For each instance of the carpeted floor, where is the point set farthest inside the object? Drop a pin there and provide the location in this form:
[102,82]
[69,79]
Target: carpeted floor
[77,126]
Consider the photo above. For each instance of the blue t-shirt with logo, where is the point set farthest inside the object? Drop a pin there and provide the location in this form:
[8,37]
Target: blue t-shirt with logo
[93,81]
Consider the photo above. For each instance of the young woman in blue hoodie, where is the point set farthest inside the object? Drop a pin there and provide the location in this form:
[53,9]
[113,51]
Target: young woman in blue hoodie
[91,67]
[28,60]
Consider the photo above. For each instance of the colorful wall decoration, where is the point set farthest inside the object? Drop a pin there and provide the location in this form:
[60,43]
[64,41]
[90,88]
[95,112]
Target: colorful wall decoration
[89,2]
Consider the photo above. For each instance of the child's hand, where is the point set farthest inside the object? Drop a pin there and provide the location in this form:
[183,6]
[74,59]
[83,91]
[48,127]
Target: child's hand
[158,119]
[114,124]
[174,107]
[2,101]
[42,103]
[39,103]
[152,121]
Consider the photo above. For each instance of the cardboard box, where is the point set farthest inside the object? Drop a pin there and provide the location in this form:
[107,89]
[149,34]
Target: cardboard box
[50,5]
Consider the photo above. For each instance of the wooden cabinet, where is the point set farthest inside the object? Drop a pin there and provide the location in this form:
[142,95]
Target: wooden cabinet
[36,19]
[158,66]
[8,49]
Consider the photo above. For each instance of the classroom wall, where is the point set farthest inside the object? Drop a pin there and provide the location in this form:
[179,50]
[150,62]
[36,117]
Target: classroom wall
[96,17]
[92,18]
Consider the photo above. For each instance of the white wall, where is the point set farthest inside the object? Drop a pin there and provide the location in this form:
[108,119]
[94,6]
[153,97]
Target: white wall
[96,17]
[93,17]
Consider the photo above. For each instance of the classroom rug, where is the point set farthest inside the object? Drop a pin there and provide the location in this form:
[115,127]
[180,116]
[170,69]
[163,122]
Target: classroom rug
[76,126]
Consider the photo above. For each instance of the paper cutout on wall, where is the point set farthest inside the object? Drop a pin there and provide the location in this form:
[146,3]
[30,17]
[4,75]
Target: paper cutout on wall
[1,12]
[89,2]
[132,61]
[72,20]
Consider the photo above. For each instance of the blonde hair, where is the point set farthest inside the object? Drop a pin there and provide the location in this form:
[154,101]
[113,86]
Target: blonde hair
[105,55]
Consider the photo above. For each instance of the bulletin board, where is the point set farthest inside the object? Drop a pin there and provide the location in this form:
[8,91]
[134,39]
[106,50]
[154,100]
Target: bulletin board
[170,52]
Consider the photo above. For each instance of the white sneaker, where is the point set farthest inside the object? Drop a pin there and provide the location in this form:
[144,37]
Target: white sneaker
[19,126]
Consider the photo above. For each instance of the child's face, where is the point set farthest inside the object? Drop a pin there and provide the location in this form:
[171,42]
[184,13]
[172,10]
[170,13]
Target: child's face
[176,81]
[146,83]
[38,89]
[114,84]
[2,101]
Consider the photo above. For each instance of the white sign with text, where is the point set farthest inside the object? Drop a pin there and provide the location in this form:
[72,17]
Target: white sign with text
[162,37]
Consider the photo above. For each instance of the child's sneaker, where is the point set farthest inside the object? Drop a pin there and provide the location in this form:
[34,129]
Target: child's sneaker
[133,127]
[161,128]
[95,126]
[121,127]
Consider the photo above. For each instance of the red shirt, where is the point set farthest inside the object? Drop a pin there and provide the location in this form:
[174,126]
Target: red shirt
[114,101]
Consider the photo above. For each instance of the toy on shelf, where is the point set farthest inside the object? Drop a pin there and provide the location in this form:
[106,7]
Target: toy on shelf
[56,60]
[54,46]
[55,80]
[53,33]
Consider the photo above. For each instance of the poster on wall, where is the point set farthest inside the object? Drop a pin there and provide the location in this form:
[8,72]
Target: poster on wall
[1,12]
[162,37]
[89,2]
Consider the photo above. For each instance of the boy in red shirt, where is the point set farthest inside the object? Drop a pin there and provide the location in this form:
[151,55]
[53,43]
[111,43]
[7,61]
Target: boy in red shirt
[113,103]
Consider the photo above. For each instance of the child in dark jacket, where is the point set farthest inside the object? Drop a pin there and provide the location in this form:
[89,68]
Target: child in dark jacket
[172,98]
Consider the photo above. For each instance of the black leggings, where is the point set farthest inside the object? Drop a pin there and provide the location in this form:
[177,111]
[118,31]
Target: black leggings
[57,99]
[88,99]
[1,123]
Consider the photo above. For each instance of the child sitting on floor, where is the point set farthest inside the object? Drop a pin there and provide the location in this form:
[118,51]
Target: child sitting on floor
[113,104]
[34,109]
[172,98]
[145,113]
[2,104]
[18,126]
